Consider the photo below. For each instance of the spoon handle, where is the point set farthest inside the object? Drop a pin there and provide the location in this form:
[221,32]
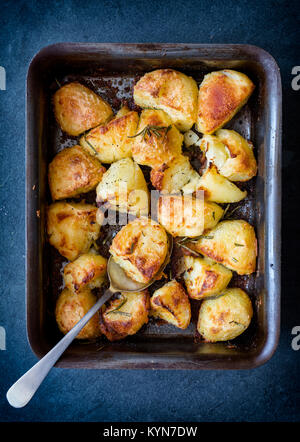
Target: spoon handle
[23,389]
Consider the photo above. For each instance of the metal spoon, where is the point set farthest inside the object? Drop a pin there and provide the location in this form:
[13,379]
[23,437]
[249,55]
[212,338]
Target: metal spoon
[23,389]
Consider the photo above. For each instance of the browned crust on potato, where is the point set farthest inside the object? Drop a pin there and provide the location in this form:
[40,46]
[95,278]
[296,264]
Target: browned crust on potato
[219,98]
[73,171]
[157,176]
[116,326]
[77,108]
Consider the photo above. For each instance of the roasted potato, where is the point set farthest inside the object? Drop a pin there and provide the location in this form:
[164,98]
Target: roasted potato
[204,277]
[231,154]
[241,164]
[125,315]
[172,304]
[72,227]
[226,316]
[184,215]
[77,108]
[172,178]
[111,142]
[140,248]
[157,142]
[123,186]
[88,270]
[173,92]
[216,187]
[221,96]
[231,243]
[71,307]
[72,172]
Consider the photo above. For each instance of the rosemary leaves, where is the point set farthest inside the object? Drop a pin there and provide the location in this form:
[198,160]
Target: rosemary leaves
[182,242]
[150,130]
[117,309]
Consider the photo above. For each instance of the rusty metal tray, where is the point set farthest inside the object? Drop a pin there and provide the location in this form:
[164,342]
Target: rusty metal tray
[111,70]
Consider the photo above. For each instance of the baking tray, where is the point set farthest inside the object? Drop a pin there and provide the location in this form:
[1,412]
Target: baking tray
[111,70]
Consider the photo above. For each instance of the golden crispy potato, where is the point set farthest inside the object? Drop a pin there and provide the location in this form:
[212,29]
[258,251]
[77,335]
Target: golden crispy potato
[123,186]
[71,307]
[241,164]
[140,248]
[72,228]
[77,108]
[88,270]
[72,172]
[157,142]
[111,141]
[173,92]
[216,187]
[231,243]
[184,215]
[226,316]
[125,316]
[172,178]
[204,277]
[221,96]
[172,304]
[231,154]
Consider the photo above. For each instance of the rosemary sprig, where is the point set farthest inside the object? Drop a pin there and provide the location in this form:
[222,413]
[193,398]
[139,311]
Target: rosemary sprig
[190,250]
[152,130]
[121,313]
[116,310]
[228,215]
[193,240]
[182,240]
[91,146]
[239,245]
[57,82]
[234,259]
[225,211]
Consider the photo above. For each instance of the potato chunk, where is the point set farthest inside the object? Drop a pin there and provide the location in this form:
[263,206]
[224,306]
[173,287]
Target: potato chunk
[77,108]
[140,248]
[173,92]
[231,243]
[171,303]
[204,277]
[123,186]
[111,141]
[157,142]
[216,187]
[125,315]
[72,228]
[226,316]
[184,215]
[241,165]
[231,153]
[71,307]
[72,172]
[88,270]
[221,96]
[172,178]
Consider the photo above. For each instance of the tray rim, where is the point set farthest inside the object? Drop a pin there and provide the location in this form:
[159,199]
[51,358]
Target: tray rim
[273,184]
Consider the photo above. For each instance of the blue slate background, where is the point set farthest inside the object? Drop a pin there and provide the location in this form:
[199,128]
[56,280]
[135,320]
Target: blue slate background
[267,393]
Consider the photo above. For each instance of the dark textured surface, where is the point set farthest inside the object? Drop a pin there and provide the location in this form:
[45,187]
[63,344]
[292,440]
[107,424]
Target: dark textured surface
[267,393]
